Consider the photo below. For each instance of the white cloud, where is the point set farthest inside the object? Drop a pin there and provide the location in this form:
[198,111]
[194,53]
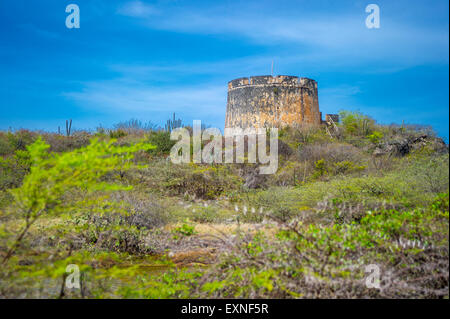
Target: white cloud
[340,38]
[127,97]
[228,69]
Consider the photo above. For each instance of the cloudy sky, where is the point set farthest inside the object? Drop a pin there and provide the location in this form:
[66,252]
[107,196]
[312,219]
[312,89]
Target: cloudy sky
[148,59]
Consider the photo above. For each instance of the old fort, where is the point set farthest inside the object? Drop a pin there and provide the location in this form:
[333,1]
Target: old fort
[273,101]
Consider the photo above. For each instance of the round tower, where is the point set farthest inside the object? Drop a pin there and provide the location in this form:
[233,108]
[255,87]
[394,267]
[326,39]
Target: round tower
[267,101]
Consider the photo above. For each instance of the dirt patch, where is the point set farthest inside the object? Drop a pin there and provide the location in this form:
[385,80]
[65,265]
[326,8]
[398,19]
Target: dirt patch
[193,257]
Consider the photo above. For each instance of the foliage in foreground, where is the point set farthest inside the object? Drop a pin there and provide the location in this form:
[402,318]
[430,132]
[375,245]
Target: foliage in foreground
[332,212]
[410,249]
[46,190]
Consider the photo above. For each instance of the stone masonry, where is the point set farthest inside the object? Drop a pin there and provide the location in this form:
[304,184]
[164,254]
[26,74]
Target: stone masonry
[268,101]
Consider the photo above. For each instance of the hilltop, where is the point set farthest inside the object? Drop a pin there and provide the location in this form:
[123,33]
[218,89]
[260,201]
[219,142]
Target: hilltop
[343,202]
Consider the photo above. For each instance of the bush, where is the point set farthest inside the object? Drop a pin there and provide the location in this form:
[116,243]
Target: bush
[329,261]
[346,167]
[331,159]
[162,141]
[20,139]
[189,180]
[356,123]
[184,230]
[302,135]
[117,133]
[430,173]
[13,169]
[62,143]
[290,173]
[11,142]
[52,176]
[319,169]
[123,226]
[331,153]
[375,137]
[5,146]
[143,211]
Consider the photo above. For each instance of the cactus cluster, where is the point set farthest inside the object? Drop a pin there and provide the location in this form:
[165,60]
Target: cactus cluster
[173,124]
[68,128]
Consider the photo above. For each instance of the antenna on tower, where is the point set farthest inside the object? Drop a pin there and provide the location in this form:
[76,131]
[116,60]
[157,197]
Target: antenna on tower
[271,70]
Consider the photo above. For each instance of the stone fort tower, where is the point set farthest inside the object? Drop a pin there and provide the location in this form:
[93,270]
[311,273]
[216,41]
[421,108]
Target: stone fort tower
[268,101]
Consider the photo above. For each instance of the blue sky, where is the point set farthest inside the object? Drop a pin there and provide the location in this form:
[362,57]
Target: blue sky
[148,59]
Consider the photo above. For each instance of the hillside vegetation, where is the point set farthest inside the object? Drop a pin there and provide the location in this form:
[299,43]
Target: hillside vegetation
[345,200]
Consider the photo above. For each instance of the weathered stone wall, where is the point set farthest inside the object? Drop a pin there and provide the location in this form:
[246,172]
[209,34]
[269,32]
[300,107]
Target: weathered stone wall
[267,101]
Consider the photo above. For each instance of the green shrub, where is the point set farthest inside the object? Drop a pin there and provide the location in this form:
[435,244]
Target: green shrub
[290,173]
[375,137]
[431,173]
[441,202]
[346,167]
[52,176]
[117,133]
[328,260]
[185,230]
[319,168]
[5,146]
[13,169]
[356,123]
[20,139]
[189,180]
[205,214]
[162,141]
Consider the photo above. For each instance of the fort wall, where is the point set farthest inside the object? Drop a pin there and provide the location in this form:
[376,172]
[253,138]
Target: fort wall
[268,101]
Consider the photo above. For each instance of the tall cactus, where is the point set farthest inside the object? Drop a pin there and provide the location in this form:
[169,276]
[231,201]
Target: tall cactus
[173,124]
[68,127]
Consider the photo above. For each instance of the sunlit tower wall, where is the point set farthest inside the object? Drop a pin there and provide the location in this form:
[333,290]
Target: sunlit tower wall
[268,101]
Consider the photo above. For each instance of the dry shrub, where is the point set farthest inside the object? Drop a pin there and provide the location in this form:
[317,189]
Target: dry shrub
[125,231]
[5,146]
[190,180]
[61,143]
[291,174]
[381,163]
[333,153]
[318,261]
[305,134]
[11,142]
